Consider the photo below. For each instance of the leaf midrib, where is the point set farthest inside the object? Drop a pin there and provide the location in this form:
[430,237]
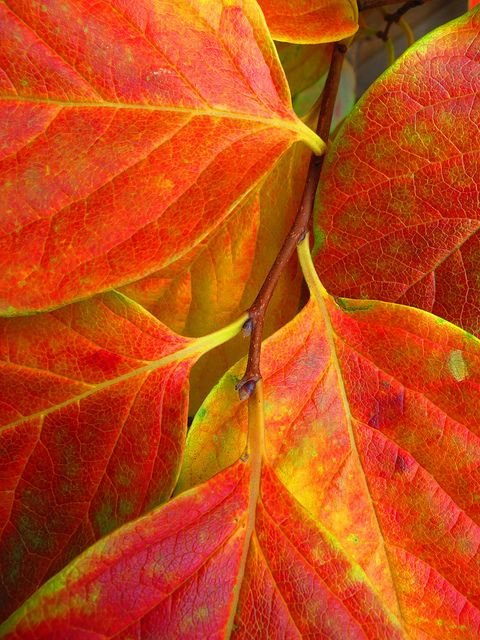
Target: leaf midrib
[298,128]
[318,294]
[195,348]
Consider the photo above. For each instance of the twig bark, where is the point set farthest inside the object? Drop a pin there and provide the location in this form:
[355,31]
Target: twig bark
[363,5]
[396,16]
[257,311]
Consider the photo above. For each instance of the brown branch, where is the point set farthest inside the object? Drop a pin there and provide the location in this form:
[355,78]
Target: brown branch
[396,16]
[257,311]
[363,5]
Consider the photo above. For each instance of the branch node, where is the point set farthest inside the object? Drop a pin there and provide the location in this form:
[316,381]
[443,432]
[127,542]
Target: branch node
[254,325]
[246,387]
[301,237]
[247,328]
[396,16]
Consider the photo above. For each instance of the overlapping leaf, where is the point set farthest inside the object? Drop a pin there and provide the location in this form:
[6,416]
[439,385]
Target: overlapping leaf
[202,293]
[398,207]
[372,424]
[303,64]
[236,557]
[310,21]
[93,415]
[118,120]
[359,519]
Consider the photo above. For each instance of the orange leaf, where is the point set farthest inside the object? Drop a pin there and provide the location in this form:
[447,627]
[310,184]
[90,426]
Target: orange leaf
[398,211]
[351,514]
[207,290]
[93,416]
[310,21]
[236,557]
[371,414]
[119,121]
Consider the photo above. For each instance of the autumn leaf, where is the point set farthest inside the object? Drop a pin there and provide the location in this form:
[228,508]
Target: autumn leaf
[304,64]
[346,512]
[213,563]
[93,417]
[118,119]
[398,207]
[310,21]
[204,292]
[371,413]
[473,3]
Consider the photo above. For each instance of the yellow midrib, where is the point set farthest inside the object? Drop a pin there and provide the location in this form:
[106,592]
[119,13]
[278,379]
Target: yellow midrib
[297,127]
[255,451]
[197,347]
[318,293]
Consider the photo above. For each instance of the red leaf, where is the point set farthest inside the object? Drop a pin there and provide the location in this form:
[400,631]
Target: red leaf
[93,417]
[119,122]
[310,21]
[207,290]
[371,414]
[398,208]
[196,568]
[356,522]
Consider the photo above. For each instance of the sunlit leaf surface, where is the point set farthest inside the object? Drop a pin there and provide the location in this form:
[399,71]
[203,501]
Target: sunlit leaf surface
[121,125]
[310,21]
[371,414]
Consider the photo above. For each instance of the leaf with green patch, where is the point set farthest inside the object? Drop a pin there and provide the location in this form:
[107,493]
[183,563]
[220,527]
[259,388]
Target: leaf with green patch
[371,413]
[235,557]
[93,415]
[304,64]
[397,215]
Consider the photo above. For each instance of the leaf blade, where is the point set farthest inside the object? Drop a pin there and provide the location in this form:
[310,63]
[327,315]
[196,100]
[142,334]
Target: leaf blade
[70,231]
[379,448]
[396,214]
[93,420]
[309,22]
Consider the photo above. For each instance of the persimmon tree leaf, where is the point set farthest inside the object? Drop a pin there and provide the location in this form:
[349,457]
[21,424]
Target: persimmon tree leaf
[306,67]
[93,415]
[235,557]
[473,3]
[371,413]
[119,121]
[202,293]
[397,214]
[310,21]
[304,64]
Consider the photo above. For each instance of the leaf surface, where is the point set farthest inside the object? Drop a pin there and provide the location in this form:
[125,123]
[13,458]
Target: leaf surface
[371,414]
[236,557]
[310,21]
[201,293]
[93,417]
[120,120]
[397,214]
[304,64]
